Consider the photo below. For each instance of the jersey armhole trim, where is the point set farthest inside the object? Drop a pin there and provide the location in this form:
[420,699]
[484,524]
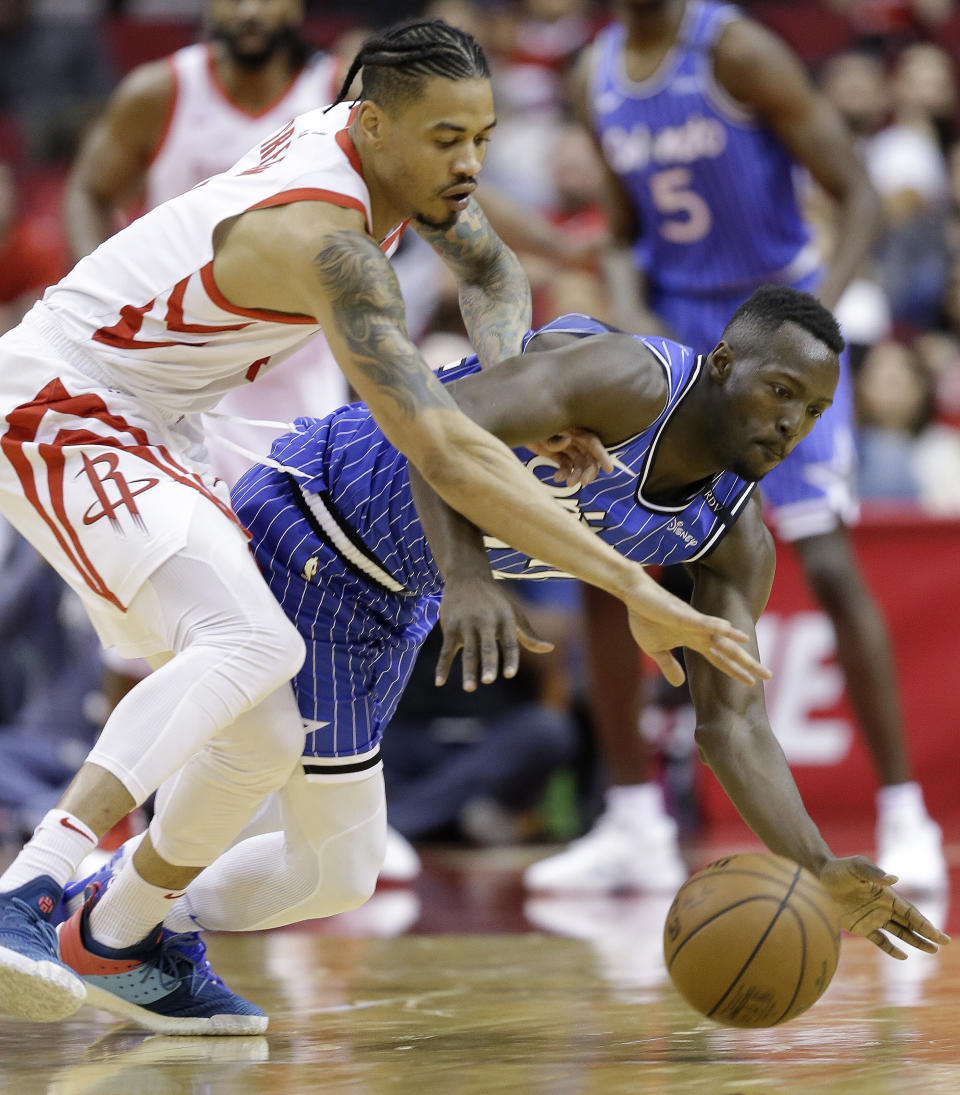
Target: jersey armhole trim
[168,120]
[213,292]
[721,530]
[311,194]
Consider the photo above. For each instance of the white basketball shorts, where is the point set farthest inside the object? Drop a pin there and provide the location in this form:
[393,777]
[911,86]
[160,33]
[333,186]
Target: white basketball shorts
[97,480]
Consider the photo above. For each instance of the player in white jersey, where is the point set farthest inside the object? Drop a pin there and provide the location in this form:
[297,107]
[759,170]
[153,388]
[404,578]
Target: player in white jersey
[171,124]
[200,295]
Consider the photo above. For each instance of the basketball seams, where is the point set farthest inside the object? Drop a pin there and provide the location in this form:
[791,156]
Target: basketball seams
[800,892]
[823,918]
[758,945]
[714,972]
[765,863]
[698,879]
[803,964]
[716,916]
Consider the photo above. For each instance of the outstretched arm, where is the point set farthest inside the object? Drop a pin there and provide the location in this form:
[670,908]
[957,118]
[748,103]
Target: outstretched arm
[733,731]
[609,383]
[317,260]
[736,741]
[494,290]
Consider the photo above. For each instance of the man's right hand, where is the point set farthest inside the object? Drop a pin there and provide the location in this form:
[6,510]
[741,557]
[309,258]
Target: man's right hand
[660,622]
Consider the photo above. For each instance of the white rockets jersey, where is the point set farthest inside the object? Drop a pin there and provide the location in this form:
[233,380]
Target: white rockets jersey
[143,312]
[206,131]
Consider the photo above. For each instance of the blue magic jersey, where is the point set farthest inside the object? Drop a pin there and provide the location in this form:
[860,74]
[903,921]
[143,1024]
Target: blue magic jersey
[338,538]
[713,188]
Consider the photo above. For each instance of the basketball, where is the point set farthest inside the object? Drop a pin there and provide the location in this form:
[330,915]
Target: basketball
[751,940]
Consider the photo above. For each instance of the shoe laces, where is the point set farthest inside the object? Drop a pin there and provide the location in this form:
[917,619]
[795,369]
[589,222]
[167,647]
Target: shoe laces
[12,914]
[180,957]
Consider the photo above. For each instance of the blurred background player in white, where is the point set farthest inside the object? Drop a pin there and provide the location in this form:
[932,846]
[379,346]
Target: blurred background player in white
[701,116]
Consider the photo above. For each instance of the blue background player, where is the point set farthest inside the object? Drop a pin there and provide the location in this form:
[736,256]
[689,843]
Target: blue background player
[702,117]
[336,531]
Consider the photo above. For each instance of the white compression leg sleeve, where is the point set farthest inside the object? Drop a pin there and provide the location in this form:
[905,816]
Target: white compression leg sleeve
[325,860]
[212,797]
[233,648]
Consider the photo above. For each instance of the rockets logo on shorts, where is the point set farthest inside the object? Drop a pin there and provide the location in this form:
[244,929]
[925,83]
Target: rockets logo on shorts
[125,496]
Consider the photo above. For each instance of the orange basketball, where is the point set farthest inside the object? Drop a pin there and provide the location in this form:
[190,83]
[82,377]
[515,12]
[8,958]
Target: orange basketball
[752,940]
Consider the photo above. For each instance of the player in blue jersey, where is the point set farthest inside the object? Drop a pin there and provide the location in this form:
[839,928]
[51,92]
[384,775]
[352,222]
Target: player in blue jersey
[701,117]
[340,524]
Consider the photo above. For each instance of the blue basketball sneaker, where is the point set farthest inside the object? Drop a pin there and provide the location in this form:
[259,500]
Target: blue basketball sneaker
[164,982]
[34,983]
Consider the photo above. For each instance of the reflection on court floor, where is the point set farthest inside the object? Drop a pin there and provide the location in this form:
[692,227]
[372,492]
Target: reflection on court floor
[464,985]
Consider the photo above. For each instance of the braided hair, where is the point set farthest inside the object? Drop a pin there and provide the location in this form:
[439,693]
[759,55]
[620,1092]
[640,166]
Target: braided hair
[396,61]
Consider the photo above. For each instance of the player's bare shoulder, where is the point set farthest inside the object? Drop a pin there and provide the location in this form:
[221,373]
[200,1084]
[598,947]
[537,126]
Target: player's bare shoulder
[641,376]
[140,107]
[614,374]
[750,61]
[270,258]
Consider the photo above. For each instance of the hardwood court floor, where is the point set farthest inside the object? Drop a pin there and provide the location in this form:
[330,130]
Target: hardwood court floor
[462,987]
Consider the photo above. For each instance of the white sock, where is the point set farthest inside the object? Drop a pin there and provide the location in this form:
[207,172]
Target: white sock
[181,917]
[636,804]
[56,848]
[130,909]
[898,798]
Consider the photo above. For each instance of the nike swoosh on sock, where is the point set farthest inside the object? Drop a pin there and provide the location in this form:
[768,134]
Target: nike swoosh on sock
[69,825]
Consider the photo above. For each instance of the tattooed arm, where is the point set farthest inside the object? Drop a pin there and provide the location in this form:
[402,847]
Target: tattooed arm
[494,290]
[317,260]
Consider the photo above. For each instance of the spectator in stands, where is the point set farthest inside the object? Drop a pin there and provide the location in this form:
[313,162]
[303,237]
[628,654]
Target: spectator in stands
[884,24]
[901,123]
[54,68]
[904,454]
[856,83]
[893,404]
[32,254]
[47,719]
[925,91]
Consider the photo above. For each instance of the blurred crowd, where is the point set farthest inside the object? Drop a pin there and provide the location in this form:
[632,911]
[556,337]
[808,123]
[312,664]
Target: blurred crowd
[889,66]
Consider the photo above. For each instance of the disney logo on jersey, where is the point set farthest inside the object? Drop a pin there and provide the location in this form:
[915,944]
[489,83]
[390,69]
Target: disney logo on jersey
[675,525]
[698,138]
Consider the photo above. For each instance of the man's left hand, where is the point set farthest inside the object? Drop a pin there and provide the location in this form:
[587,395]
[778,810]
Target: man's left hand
[579,454]
[478,617]
[869,907]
